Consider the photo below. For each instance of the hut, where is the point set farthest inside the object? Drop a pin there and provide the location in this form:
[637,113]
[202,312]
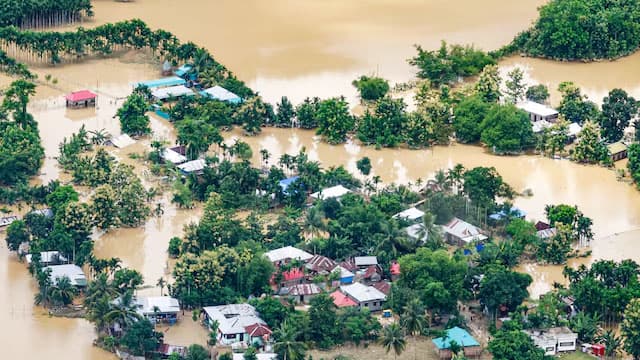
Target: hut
[81,99]
[461,337]
[617,151]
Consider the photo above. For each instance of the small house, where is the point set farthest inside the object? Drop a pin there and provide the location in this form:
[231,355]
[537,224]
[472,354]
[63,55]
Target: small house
[469,344]
[341,300]
[334,192]
[48,258]
[546,233]
[121,141]
[170,92]
[158,308]
[460,233]
[346,276]
[363,262]
[164,82]
[165,350]
[73,272]
[410,215]
[617,151]
[285,254]
[538,112]
[81,99]
[320,265]
[383,286]
[193,167]
[554,340]
[173,156]
[371,274]
[290,278]
[538,126]
[237,323]
[303,293]
[219,93]
[367,297]
[7,220]
[514,212]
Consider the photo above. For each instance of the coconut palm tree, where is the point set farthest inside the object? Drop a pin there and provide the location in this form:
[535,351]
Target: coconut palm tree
[264,157]
[97,312]
[124,312]
[393,339]
[455,176]
[161,283]
[414,321]
[313,222]
[99,136]
[63,292]
[429,232]
[99,288]
[442,180]
[287,345]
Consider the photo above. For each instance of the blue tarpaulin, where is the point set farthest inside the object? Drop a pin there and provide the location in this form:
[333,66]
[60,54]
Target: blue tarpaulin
[284,184]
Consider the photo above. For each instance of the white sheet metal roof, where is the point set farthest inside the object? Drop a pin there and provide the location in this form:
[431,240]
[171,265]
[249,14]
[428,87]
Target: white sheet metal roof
[362,293]
[73,272]
[172,91]
[537,109]
[47,257]
[463,230]
[365,260]
[574,129]
[233,318]
[165,304]
[344,273]
[222,94]
[286,253]
[410,214]
[538,126]
[193,166]
[332,192]
[122,141]
[173,156]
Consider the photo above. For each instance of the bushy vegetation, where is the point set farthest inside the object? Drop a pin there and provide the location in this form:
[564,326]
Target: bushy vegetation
[14,12]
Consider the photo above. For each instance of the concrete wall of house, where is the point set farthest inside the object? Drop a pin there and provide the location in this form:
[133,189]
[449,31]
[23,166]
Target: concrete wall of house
[371,305]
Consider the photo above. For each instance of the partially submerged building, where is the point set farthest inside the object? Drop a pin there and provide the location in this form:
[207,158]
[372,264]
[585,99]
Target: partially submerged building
[285,254]
[164,82]
[538,112]
[219,93]
[193,167]
[81,99]
[471,346]
[48,258]
[554,340]
[459,232]
[73,272]
[617,151]
[171,92]
[366,297]
[237,323]
[158,308]
[334,192]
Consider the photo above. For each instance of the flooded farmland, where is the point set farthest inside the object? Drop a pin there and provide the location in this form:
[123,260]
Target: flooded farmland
[309,48]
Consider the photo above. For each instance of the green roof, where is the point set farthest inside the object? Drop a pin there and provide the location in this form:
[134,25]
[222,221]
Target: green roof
[616,147]
[460,336]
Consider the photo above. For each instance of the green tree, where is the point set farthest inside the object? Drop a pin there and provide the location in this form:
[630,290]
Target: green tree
[334,120]
[634,162]
[254,113]
[515,85]
[538,93]
[15,101]
[501,287]
[285,113]
[133,117]
[126,280]
[507,129]
[514,345]
[306,113]
[198,352]
[561,213]
[250,354]
[371,88]
[618,108]
[271,310]
[574,106]
[103,205]
[469,114]
[384,126]
[482,185]
[413,320]
[589,147]
[17,233]
[393,338]
[488,85]
[558,136]
[197,136]
[21,153]
[418,130]
[287,346]
[62,292]
[585,325]
[141,338]
[322,313]
[630,328]
[364,166]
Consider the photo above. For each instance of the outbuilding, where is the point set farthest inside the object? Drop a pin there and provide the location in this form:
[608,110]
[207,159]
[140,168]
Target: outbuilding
[460,233]
[617,151]
[219,93]
[333,192]
[538,112]
[81,99]
[73,272]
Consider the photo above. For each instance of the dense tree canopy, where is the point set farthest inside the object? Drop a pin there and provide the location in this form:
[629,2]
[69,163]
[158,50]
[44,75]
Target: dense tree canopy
[334,120]
[507,129]
[618,108]
[371,87]
[384,126]
[469,114]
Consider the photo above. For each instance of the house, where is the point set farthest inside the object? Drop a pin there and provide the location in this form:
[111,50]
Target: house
[410,215]
[303,293]
[554,340]
[237,323]
[175,91]
[547,233]
[121,141]
[7,220]
[346,276]
[394,270]
[193,167]
[540,225]
[367,297]
[48,258]
[363,262]
[164,82]
[158,308]
[285,254]
[371,274]
[617,151]
[173,155]
[538,112]
[290,278]
[81,99]
[321,265]
[331,193]
[460,233]
[342,300]
[383,286]
[222,94]
[470,346]
[71,271]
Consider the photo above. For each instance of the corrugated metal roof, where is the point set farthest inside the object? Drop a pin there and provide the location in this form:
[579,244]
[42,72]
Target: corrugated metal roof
[332,192]
[287,253]
[363,293]
[410,214]
[460,336]
[537,109]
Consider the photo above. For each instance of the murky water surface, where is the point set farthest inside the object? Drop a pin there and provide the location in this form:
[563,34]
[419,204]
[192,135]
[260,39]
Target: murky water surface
[305,48]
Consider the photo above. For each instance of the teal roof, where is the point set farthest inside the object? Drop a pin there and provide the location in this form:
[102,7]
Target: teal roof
[460,336]
[169,81]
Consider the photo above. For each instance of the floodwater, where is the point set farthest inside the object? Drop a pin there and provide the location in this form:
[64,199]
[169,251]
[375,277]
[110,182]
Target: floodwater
[305,48]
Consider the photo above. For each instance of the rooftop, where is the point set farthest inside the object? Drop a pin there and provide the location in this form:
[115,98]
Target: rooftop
[342,300]
[81,95]
[233,318]
[304,289]
[222,94]
[172,91]
[47,257]
[168,81]
[122,141]
[284,183]
[319,263]
[165,304]
[365,260]
[537,109]
[332,192]
[460,336]
[463,230]
[173,156]
[193,166]
[362,293]
[73,272]
[410,214]
[344,273]
[616,147]
[574,129]
[288,253]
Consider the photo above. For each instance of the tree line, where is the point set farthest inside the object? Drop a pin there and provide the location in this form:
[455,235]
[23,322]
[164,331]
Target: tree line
[50,12]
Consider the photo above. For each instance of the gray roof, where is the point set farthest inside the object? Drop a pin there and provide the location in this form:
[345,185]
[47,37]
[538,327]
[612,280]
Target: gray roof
[287,253]
[362,293]
[233,318]
[48,257]
[165,304]
[410,214]
[73,272]
[365,260]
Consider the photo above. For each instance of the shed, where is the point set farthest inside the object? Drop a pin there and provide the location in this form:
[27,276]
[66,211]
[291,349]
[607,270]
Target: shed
[121,141]
[332,192]
[617,150]
[7,220]
[81,99]
[365,261]
[193,167]
[303,293]
[461,337]
[411,214]
[173,156]
[171,92]
[546,233]
[71,271]
[219,93]
[164,82]
[346,276]
[538,112]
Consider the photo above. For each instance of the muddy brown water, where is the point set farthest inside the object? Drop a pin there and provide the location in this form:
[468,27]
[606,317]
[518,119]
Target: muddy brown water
[307,48]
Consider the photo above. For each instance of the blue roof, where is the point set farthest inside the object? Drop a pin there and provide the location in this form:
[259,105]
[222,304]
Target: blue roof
[514,211]
[182,70]
[284,184]
[219,93]
[460,336]
[168,81]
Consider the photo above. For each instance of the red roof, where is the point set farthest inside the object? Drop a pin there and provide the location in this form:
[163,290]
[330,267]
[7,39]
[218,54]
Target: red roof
[293,274]
[370,272]
[342,300]
[81,95]
[383,286]
[542,226]
[256,330]
[395,268]
[319,263]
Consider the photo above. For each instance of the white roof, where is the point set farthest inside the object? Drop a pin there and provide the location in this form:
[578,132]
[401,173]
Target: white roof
[48,257]
[344,273]
[260,356]
[73,272]
[365,260]
[538,126]
[414,231]
[220,93]
[233,318]
[362,293]
[7,220]
[47,212]
[165,304]
[122,141]
[173,156]
[172,91]
[286,253]
[574,129]
[410,214]
[332,192]
[193,166]
[463,230]
[537,109]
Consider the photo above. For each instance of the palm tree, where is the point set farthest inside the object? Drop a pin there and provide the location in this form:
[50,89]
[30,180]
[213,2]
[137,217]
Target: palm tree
[161,283]
[414,320]
[442,180]
[264,157]
[98,289]
[429,232]
[96,313]
[313,222]
[287,345]
[99,136]
[393,338]
[612,343]
[63,292]
[124,312]
[455,176]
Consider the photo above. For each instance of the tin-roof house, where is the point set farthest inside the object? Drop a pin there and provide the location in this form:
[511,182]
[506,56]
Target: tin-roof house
[237,323]
[460,233]
[469,344]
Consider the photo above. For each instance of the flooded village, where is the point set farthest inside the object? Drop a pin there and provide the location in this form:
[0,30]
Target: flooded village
[304,50]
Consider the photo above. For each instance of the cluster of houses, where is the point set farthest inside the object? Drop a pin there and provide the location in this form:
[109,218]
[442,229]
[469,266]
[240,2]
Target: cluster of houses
[543,116]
